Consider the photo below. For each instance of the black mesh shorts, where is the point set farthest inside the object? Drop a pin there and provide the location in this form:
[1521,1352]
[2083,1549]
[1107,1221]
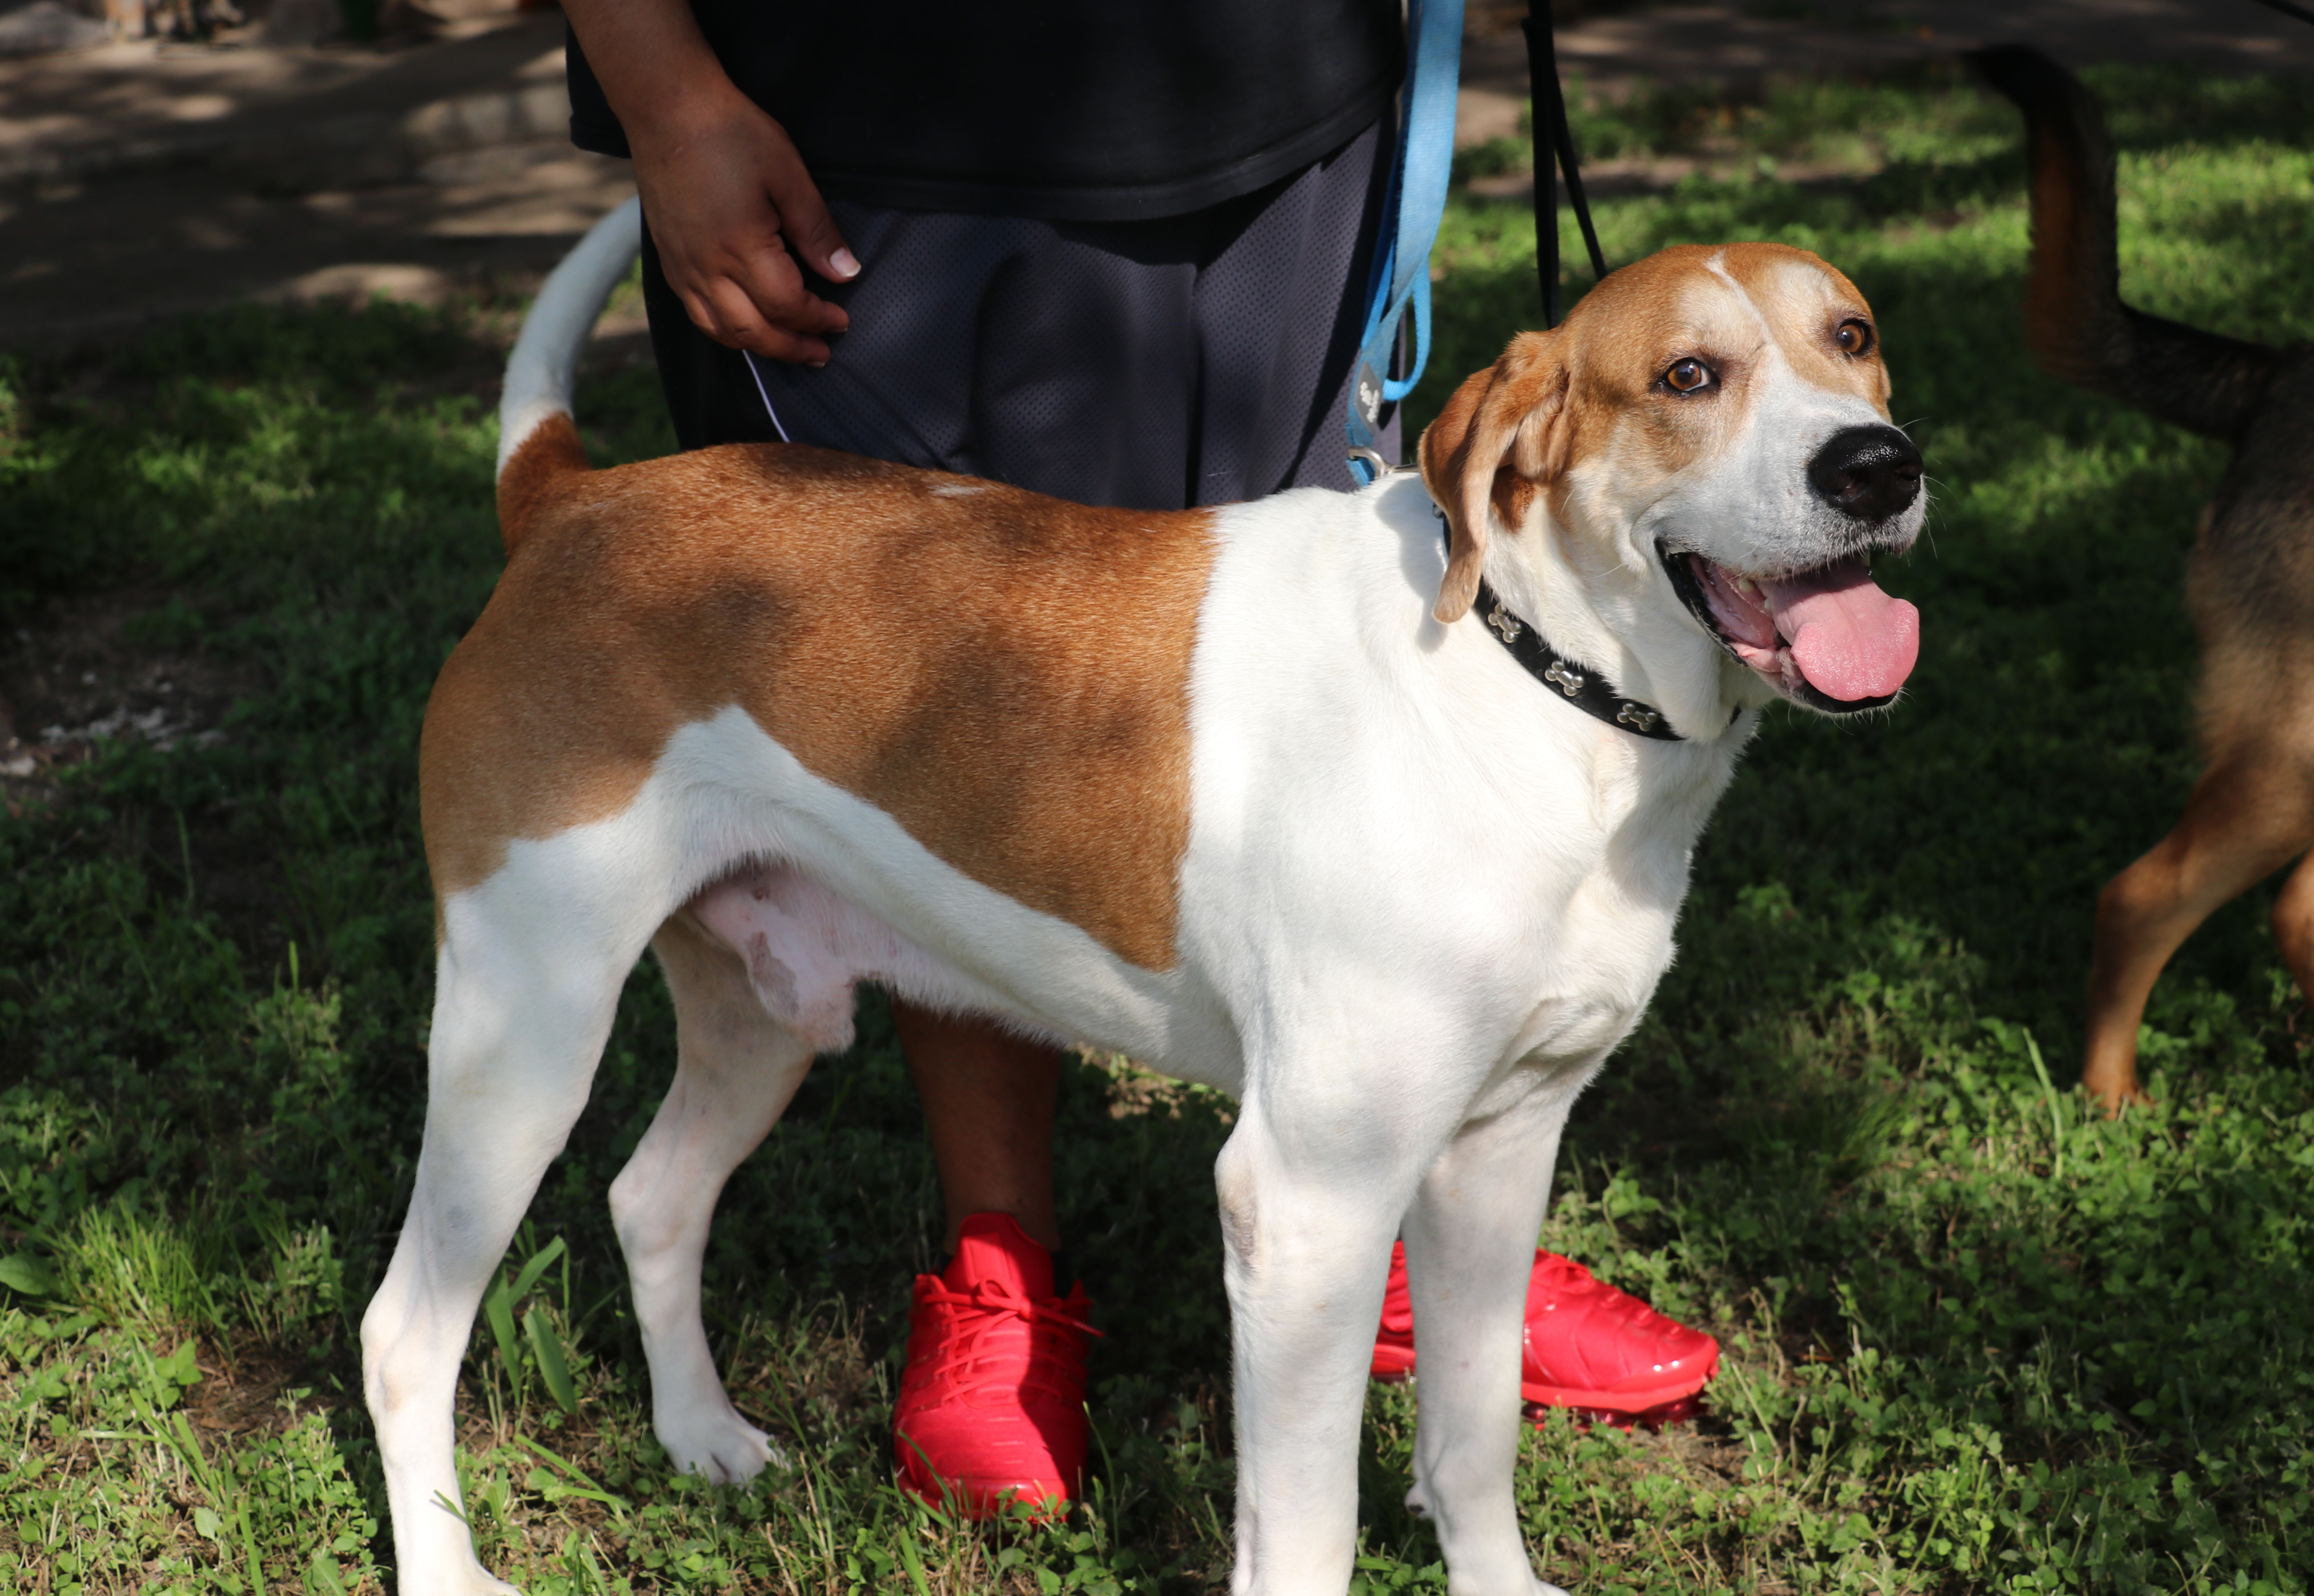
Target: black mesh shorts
[1152,364]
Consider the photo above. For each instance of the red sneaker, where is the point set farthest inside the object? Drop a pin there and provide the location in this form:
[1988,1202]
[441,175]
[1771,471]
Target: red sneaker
[992,1399]
[1588,1345]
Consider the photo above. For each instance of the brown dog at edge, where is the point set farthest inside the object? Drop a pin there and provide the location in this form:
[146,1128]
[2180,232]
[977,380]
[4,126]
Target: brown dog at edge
[2249,584]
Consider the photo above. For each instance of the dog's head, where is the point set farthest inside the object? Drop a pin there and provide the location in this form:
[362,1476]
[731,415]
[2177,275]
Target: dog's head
[1703,450]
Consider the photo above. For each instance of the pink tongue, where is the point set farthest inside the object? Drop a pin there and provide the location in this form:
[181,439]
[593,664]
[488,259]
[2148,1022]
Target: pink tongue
[1849,640]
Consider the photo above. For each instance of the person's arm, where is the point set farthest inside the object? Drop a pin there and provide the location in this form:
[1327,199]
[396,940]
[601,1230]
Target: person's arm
[729,204]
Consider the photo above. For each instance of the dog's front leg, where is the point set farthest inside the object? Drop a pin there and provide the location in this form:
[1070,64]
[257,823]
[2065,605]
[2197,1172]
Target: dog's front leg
[1470,1244]
[1309,1200]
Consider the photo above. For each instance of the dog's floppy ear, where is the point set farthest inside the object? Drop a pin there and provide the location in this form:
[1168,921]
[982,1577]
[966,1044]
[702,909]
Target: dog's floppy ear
[1506,421]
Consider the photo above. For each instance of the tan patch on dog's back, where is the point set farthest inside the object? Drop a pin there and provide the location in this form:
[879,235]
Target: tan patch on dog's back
[1005,674]
[537,468]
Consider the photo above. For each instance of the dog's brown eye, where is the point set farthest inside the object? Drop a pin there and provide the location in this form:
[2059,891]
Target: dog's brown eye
[1685,377]
[1854,337]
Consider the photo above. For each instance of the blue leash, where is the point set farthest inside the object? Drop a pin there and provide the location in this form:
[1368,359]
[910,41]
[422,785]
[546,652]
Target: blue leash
[1416,199]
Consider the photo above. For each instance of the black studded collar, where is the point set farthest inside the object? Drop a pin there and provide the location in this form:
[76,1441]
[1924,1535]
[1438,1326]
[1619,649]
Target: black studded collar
[1579,684]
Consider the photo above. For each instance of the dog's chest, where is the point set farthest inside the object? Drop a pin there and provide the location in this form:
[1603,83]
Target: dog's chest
[1598,959]
[1605,932]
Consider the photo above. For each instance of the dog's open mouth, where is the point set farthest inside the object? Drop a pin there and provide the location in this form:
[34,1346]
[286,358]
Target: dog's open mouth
[1827,638]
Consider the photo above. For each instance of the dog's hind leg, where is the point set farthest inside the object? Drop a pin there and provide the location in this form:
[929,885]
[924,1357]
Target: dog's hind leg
[523,1002]
[2247,818]
[2294,923]
[1470,1247]
[736,1069]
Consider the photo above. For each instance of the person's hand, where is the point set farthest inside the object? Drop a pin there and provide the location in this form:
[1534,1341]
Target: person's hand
[730,208]
[732,211]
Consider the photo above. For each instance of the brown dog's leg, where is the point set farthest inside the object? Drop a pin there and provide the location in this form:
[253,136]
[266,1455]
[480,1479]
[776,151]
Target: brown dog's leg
[2294,925]
[2246,819]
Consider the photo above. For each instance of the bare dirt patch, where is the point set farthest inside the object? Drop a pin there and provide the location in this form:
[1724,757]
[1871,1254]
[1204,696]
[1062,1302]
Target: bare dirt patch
[78,672]
[255,1391]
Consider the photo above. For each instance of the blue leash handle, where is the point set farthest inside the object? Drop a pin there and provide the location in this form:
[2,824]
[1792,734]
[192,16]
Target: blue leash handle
[1414,202]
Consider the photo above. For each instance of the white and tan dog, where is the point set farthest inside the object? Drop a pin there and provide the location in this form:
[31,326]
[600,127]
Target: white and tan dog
[1245,793]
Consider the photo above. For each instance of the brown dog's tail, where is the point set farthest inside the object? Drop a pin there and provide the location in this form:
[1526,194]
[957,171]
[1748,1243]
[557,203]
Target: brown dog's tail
[538,442]
[2075,322]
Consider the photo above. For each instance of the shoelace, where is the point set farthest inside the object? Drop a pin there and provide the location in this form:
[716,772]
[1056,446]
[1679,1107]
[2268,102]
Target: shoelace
[996,1301]
[1002,1297]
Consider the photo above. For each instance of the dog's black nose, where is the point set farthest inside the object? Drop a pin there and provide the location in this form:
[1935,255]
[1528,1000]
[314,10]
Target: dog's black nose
[1870,473]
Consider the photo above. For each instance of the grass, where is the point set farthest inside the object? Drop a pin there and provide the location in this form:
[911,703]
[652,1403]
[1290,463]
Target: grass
[1977,1337]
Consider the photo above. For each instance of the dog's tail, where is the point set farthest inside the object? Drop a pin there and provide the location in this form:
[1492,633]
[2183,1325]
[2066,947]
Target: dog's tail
[538,443]
[2075,322]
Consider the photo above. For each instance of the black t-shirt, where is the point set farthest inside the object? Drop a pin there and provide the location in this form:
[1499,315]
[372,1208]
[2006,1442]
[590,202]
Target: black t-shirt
[1070,109]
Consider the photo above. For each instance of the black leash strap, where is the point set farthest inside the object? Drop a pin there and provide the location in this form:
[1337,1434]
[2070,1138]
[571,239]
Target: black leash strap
[1548,113]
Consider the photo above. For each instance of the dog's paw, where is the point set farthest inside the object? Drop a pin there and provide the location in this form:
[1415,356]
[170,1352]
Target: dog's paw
[723,1448]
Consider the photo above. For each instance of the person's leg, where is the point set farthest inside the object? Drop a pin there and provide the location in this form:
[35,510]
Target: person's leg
[991,1399]
[1086,385]
[1280,307]
[1005,349]
[896,390]
[989,1098]
[967,353]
